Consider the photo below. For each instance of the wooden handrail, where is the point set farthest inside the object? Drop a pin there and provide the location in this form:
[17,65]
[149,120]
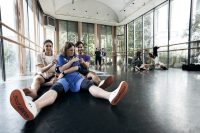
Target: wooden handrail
[19,44]
[1,23]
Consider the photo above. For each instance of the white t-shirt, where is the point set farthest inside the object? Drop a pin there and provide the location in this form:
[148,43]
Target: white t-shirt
[46,60]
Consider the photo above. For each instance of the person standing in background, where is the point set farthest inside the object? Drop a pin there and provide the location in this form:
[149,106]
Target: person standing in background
[98,57]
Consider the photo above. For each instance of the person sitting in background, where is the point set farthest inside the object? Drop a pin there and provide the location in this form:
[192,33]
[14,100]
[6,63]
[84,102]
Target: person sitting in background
[137,61]
[155,58]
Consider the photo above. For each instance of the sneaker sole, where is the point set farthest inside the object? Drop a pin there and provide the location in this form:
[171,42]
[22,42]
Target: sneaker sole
[17,102]
[122,91]
[107,83]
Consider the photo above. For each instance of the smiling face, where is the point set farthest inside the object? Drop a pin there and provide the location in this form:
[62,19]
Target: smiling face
[48,48]
[80,48]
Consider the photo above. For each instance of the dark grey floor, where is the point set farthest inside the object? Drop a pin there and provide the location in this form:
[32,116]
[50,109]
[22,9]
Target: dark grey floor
[156,102]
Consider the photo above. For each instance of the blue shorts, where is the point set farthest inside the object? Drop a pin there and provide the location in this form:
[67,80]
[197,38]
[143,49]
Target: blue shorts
[73,86]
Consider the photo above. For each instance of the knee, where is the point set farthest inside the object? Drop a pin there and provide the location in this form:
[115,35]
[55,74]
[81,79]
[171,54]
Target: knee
[39,79]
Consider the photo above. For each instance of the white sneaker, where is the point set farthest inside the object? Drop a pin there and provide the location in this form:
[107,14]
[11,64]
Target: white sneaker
[119,93]
[25,107]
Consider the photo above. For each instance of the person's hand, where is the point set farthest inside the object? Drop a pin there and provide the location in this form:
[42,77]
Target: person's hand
[81,60]
[54,62]
[74,59]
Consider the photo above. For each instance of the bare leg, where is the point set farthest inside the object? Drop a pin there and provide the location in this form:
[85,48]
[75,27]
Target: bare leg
[113,97]
[94,77]
[99,93]
[32,92]
[46,99]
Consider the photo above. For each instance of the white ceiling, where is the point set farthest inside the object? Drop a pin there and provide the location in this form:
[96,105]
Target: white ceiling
[108,12]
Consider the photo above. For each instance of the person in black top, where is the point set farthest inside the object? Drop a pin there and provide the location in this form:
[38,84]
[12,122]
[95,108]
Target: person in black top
[98,57]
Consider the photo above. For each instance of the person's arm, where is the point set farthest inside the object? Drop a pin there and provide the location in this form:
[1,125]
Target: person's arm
[84,63]
[70,70]
[41,68]
[68,64]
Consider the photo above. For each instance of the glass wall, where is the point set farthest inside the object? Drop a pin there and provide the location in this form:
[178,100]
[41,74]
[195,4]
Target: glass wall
[148,36]
[120,48]
[41,31]
[161,31]
[106,42]
[195,30]
[138,33]
[68,31]
[31,26]
[179,31]
[88,39]
[8,11]
[130,42]
[148,30]
[179,24]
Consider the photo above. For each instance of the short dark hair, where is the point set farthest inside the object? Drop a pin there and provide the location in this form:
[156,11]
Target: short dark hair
[66,47]
[78,43]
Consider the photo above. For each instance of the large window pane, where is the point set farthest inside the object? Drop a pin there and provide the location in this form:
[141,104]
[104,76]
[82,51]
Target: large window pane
[88,39]
[130,42]
[72,29]
[161,25]
[138,33]
[196,20]
[106,42]
[179,23]
[178,58]
[120,45]
[148,36]
[148,30]
[8,12]
[68,31]
[41,31]
[62,33]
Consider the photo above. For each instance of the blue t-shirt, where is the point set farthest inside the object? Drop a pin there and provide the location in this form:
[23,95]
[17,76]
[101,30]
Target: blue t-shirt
[71,80]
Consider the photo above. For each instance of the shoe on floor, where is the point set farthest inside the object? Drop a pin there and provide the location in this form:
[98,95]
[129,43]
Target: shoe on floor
[119,93]
[25,107]
[106,83]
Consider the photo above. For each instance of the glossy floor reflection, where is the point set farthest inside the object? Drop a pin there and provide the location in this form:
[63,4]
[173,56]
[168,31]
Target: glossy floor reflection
[156,102]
